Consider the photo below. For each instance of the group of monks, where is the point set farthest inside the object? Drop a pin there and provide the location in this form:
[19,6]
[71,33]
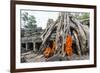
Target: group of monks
[48,52]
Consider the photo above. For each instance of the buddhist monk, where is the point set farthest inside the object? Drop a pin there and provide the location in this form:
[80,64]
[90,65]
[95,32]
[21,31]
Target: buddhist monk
[68,46]
[49,51]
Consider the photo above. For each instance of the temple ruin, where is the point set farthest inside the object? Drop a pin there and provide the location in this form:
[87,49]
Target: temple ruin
[66,24]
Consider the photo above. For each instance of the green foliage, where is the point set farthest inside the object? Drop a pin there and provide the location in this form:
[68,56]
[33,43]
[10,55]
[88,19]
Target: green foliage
[25,16]
[31,19]
[29,23]
[83,16]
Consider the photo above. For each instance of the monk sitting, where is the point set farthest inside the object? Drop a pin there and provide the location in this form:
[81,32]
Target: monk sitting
[49,51]
[68,46]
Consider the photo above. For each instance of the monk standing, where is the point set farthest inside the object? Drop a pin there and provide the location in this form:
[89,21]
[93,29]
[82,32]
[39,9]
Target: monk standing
[68,46]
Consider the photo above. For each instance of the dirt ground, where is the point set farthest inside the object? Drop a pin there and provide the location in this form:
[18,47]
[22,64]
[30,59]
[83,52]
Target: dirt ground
[30,56]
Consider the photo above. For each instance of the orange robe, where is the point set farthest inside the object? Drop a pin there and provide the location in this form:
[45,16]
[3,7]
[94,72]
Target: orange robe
[68,46]
[49,51]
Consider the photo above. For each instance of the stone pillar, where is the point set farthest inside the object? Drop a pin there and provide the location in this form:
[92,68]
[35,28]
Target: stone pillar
[26,46]
[34,49]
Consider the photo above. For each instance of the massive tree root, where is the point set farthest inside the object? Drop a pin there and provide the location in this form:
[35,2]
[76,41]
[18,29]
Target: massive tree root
[66,25]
